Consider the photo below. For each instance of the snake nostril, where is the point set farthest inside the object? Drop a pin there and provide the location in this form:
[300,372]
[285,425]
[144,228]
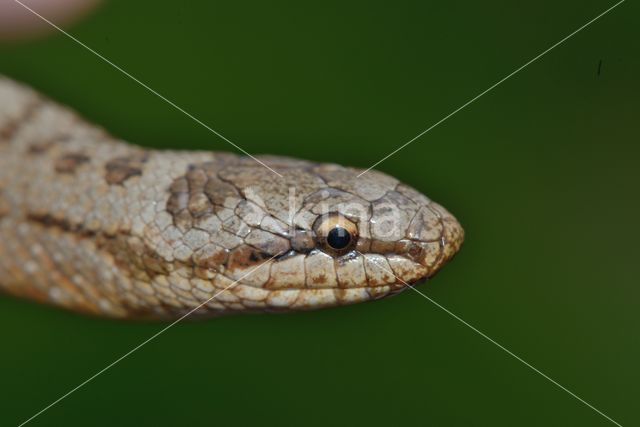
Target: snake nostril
[414,250]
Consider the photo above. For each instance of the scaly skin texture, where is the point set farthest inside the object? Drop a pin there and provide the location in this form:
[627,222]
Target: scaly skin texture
[95,225]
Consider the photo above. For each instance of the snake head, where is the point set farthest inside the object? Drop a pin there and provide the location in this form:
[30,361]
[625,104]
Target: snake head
[317,235]
[376,234]
[129,232]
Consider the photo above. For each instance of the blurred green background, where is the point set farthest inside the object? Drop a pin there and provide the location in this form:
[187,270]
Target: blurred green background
[542,172]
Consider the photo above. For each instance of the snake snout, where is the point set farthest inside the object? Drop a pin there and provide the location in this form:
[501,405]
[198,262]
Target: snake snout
[452,236]
[435,237]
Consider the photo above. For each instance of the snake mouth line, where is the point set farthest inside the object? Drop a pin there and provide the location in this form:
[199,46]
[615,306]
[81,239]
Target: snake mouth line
[399,284]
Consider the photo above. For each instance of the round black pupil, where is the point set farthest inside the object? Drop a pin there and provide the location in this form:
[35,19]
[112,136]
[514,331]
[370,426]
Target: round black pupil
[338,238]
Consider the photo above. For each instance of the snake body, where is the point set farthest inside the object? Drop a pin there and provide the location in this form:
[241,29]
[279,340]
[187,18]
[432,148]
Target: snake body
[96,225]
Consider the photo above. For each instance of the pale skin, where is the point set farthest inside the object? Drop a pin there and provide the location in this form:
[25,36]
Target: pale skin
[17,23]
[99,226]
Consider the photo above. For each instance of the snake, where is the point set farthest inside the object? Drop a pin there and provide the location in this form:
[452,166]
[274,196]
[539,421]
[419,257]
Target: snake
[95,225]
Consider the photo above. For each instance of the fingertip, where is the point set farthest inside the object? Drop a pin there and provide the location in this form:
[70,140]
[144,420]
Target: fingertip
[17,22]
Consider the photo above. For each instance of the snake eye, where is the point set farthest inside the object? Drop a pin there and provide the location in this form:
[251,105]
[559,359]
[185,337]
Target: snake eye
[338,238]
[336,233]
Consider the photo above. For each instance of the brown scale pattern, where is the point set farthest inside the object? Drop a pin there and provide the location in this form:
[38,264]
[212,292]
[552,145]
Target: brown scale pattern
[120,169]
[102,227]
[68,163]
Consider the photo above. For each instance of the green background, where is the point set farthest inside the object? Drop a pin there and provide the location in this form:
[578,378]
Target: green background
[542,172]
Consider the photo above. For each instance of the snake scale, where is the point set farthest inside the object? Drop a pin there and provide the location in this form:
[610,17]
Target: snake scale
[96,225]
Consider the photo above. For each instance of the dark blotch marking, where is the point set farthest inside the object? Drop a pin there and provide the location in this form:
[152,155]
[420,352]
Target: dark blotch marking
[4,205]
[42,147]
[382,247]
[121,169]
[154,264]
[245,256]
[50,221]
[69,163]
[198,194]
[8,131]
